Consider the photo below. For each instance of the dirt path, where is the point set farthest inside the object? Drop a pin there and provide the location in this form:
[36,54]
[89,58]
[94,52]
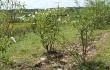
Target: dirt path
[102,38]
[63,63]
[99,43]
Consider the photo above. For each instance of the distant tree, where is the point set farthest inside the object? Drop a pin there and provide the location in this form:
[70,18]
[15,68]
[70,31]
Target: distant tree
[101,12]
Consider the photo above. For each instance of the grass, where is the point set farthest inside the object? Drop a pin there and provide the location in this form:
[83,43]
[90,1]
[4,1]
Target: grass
[28,49]
[104,52]
[23,50]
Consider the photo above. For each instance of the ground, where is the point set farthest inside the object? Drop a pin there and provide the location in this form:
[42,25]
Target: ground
[28,54]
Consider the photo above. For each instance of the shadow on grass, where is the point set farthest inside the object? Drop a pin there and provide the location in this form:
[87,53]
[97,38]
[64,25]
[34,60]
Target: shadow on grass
[92,65]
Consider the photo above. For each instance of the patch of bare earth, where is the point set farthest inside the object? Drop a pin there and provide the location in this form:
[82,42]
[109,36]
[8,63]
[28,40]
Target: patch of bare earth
[60,60]
[92,50]
[98,43]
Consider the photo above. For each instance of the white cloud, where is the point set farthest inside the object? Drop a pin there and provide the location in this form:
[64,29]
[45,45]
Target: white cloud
[49,3]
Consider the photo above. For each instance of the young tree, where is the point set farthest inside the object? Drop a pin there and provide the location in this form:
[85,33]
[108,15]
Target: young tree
[6,26]
[84,18]
[48,26]
[101,12]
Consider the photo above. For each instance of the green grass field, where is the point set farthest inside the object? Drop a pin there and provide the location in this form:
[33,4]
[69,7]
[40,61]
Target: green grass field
[28,49]
[104,51]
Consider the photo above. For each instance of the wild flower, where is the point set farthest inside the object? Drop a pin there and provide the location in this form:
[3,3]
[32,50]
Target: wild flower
[36,12]
[67,15]
[46,13]
[43,13]
[59,19]
[33,16]
[33,23]
[13,39]
[29,15]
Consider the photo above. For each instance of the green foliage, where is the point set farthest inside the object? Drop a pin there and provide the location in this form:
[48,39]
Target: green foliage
[100,10]
[5,26]
[84,24]
[48,26]
[3,33]
[92,17]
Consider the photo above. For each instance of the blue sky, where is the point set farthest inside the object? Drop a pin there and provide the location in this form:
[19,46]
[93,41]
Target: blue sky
[32,4]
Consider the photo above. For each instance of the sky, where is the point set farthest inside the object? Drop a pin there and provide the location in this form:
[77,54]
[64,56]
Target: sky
[44,4]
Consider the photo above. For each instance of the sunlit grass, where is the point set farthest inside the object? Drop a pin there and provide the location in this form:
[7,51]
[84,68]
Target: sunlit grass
[29,48]
[104,52]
